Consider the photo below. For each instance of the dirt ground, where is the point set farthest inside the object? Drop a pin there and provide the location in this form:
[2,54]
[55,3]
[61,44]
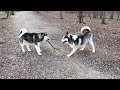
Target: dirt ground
[14,64]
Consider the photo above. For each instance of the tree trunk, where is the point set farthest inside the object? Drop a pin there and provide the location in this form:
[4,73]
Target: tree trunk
[118,15]
[89,15]
[61,16]
[8,13]
[97,13]
[12,13]
[101,13]
[37,11]
[94,14]
[112,14]
[103,18]
[80,17]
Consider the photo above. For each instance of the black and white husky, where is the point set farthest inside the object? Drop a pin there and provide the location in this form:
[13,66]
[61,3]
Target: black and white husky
[79,41]
[25,39]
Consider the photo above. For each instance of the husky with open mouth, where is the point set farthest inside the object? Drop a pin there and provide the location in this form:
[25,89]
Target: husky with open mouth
[79,41]
[26,38]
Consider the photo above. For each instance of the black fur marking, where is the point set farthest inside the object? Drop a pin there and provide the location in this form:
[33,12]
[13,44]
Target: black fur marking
[70,40]
[86,30]
[85,36]
[76,41]
[33,37]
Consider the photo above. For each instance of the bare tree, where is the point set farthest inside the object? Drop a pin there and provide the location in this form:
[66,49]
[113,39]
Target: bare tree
[97,13]
[94,14]
[101,13]
[89,15]
[37,11]
[61,16]
[80,17]
[12,13]
[118,15]
[112,14]
[103,18]
[8,13]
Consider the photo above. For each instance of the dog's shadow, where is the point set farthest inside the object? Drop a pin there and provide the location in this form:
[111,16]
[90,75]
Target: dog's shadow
[3,18]
[84,52]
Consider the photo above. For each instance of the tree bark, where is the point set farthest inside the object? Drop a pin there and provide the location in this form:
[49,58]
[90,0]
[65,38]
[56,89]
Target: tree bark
[12,13]
[94,14]
[103,18]
[118,15]
[37,11]
[97,13]
[61,16]
[112,14]
[80,17]
[101,13]
[89,15]
[8,13]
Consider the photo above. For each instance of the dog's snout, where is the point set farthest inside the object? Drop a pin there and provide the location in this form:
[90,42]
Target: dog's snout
[61,40]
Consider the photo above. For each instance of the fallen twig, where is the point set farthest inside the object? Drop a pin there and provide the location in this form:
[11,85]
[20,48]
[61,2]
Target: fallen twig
[53,46]
[55,39]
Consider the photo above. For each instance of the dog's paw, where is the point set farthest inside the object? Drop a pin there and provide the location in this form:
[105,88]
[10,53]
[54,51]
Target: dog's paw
[93,51]
[23,51]
[29,50]
[68,55]
[81,49]
[39,54]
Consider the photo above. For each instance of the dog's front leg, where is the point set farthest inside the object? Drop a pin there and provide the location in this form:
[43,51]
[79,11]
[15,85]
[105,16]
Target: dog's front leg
[72,52]
[38,49]
[22,46]
[93,46]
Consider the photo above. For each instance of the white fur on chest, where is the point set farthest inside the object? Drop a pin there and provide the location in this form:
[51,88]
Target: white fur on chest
[74,37]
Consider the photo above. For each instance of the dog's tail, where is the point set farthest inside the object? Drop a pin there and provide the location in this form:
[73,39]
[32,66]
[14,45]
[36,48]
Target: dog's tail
[22,31]
[85,29]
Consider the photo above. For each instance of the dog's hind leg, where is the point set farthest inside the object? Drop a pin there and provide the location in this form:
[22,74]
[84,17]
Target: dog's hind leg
[92,44]
[28,48]
[72,52]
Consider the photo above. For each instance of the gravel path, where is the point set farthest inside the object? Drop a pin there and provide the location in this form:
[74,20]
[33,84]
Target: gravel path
[104,64]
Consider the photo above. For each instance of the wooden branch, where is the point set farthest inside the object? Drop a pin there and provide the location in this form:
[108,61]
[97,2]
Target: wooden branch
[55,39]
[53,46]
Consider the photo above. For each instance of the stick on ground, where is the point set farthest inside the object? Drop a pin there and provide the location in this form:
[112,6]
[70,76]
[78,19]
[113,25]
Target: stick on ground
[53,46]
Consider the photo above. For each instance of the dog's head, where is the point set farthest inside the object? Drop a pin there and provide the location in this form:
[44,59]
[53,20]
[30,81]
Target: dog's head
[66,38]
[44,36]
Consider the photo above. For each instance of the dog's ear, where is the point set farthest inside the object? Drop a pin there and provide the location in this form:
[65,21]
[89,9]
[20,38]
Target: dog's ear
[42,34]
[45,33]
[67,33]
[71,36]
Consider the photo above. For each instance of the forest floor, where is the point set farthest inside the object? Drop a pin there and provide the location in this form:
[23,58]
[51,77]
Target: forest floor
[103,64]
